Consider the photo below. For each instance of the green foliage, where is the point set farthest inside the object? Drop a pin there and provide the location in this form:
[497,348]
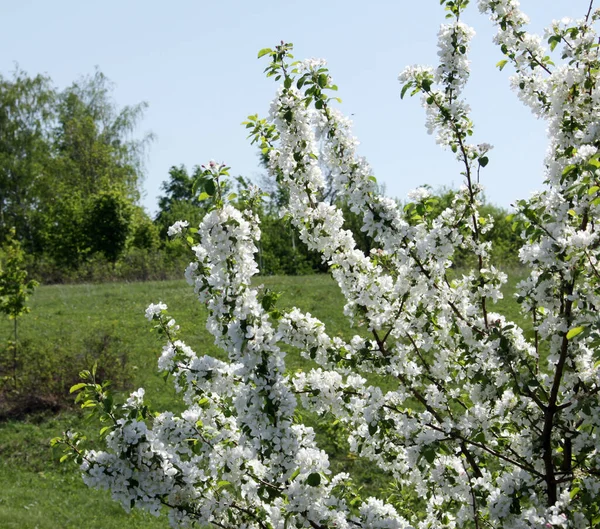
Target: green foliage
[179,201]
[69,168]
[92,138]
[108,224]
[43,374]
[144,233]
[211,186]
[63,235]
[15,288]
[27,109]
[134,264]
[282,252]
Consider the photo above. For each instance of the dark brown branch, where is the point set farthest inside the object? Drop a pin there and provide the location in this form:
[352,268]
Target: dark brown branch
[589,11]
[473,499]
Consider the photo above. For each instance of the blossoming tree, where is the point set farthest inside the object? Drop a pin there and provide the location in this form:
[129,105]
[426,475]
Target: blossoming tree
[488,426]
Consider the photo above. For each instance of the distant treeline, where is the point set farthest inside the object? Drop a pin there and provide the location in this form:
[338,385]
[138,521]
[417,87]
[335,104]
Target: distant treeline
[70,179]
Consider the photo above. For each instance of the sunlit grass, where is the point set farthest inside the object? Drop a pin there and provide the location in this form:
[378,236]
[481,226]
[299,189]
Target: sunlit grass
[38,492]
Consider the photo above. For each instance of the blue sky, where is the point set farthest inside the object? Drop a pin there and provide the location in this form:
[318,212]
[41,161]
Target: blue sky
[195,63]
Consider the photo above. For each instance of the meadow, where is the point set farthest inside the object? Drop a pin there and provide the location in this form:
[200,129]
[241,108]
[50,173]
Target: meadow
[37,491]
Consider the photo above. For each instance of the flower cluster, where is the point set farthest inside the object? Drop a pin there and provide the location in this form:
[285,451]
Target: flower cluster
[476,422]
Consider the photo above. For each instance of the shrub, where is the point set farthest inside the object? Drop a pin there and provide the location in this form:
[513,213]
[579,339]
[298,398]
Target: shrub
[41,379]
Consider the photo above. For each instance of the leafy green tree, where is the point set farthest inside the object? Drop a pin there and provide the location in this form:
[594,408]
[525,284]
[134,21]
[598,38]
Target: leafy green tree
[179,187]
[281,252]
[63,228]
[179,201]
[144,233]
[108,224]
[96,170]
[27,112]
[93,138]
[15,288]
[63,155]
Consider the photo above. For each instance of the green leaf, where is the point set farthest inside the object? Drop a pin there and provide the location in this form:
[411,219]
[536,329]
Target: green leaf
[269,299]
[196,186]
[479,438]
[210,187]
[405,89]
[501,64]
[104,430]
[429,454]
[483,161]
[77,387]
[574,492]
[314,479]
[574,332]
[553,41]
[264,52]
[593,163]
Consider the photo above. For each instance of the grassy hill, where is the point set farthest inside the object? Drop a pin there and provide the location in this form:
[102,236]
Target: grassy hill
[69,327]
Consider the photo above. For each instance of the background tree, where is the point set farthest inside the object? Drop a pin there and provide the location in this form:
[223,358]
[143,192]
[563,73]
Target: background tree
[97,169]
[15,288]
[179,201]
[94,137]
[64,158]
[27,112]
[108,224]
[144,232]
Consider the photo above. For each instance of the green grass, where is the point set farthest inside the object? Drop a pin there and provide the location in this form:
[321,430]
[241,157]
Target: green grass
[37,491]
